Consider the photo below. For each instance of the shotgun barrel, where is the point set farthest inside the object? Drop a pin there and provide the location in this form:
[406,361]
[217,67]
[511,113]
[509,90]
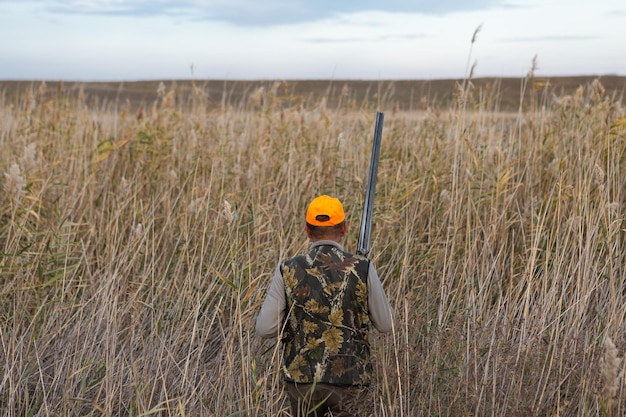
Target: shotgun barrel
[363,247]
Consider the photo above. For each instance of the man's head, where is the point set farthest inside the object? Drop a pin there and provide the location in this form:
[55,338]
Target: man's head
[325,219]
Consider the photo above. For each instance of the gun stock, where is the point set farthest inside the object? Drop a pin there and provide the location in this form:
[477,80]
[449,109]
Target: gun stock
[363,246]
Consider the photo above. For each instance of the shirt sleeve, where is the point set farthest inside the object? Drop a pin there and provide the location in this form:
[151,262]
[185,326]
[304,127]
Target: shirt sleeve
[270,317]
[380,311]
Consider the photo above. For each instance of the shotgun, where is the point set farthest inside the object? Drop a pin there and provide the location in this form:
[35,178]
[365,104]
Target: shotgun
[363,247]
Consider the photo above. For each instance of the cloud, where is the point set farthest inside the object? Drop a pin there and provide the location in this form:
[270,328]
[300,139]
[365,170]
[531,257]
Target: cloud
[402,37]
[553,38]
[258,13]
[130,8]
[616,13]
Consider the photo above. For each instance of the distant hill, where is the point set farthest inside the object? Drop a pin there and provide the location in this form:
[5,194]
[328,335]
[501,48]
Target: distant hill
[492,93]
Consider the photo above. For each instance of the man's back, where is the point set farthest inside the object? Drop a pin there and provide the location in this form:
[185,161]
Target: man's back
[327,321]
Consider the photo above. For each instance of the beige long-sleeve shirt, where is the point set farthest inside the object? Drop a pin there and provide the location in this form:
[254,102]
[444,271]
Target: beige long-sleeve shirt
[273,310]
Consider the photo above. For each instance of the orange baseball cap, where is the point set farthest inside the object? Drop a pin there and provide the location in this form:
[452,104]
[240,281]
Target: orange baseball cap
[325,211]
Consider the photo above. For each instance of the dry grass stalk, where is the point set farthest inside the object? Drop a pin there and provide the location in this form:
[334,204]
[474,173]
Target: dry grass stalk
[612,375]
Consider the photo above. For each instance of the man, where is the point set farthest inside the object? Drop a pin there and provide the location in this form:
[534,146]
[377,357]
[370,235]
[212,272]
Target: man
[322,304]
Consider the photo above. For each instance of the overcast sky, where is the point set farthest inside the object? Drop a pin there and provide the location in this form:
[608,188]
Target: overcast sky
[87,40]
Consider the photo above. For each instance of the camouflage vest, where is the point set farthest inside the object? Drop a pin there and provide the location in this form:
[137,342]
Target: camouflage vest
[325,336]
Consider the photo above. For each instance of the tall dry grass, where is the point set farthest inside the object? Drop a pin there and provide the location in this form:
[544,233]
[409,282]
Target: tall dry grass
[136,248]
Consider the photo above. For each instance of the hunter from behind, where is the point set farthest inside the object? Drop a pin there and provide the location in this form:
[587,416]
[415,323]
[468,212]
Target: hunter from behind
[322,304]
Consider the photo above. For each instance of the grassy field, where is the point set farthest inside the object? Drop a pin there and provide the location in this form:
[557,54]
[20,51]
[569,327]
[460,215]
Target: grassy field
[504,94]
[138,238]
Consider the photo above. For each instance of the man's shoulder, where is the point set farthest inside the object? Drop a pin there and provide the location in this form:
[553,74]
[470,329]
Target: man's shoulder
[295,259]
[356,256]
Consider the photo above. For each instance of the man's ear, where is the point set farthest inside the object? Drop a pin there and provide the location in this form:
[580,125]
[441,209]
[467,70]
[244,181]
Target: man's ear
[344,227]
[308,231]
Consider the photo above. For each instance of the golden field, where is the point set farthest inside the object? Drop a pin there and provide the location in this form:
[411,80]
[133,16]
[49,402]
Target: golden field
[138,235]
